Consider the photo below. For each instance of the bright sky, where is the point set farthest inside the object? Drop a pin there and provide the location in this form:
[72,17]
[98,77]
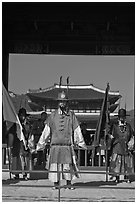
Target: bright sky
[41,71]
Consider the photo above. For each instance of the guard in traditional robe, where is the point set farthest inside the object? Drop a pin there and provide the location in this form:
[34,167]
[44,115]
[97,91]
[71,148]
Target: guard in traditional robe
[36,131]
[14,151]
[19,155]
[25,152]
[122,145]
[63,127]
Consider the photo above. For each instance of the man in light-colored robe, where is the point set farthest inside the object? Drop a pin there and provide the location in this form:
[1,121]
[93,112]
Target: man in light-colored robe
[63,128]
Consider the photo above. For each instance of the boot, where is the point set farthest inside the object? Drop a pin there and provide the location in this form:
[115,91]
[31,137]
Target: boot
[69,185]
[56,184]
[117,179]
[126,178]
[25,177]
[16,177]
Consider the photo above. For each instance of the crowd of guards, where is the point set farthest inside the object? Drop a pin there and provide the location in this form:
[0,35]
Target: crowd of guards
[120,139]
[19,157]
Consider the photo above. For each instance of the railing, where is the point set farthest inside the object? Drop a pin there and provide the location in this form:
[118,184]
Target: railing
[90,158]
[59,172]
[5,161]
[82,156]
[92,169]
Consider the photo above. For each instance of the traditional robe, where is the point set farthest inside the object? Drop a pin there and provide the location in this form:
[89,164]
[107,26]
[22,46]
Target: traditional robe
[122,158]
[65,132]
[19,155]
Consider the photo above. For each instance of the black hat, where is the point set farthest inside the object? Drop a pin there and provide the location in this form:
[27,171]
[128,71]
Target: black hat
[62,96]
[122,113]
[23,112]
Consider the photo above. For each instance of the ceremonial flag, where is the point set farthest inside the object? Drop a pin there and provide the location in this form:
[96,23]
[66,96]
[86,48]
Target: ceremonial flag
[103,119]
[10,115]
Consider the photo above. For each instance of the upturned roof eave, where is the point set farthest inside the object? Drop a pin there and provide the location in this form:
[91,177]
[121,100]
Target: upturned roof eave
[57,86]
[70,99]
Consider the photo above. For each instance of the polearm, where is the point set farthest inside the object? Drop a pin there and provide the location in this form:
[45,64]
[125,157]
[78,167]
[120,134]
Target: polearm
[106,128]
[58,173]
[119,104]
[9,159]
[67,86]
[126,102]
[101,122]
[60,82]
[72,138]
[67,93]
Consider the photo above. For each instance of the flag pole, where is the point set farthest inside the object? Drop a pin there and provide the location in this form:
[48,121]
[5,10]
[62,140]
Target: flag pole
[9,160]
[67,93]
[119,104]
[125,102]
[60,83]
[67,86]
[106,129]
[11,117]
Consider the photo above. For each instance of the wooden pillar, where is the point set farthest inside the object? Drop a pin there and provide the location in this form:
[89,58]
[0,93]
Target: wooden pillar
[5,68]
[5,73]
[86,157]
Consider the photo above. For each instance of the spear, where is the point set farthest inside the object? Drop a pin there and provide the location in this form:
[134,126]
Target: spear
[125,102]
[119,104]
[67,92]
[67,86]
[60,81]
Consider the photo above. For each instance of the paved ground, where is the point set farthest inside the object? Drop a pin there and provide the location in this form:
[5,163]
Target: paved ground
[95,189]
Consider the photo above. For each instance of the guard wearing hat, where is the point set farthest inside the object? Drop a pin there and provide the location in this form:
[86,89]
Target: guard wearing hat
[19,154]
[36,131]
[24,152]
[122,143]
[65,131]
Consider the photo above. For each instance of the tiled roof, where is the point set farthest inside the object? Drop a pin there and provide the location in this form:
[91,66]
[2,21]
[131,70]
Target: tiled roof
[75,92]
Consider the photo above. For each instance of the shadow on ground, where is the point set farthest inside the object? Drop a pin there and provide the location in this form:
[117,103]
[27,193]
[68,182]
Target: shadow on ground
[95,183]
[77,184]
[9,181]
[132,178]
[102,183]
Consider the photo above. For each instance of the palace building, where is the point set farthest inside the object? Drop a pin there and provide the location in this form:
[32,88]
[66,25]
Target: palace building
[86,28]
[84,100]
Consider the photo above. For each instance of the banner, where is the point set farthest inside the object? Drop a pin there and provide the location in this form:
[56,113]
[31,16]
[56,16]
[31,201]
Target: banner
[103,119]
[10,115]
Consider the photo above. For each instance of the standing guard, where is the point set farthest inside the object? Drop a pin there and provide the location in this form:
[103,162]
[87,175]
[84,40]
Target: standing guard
[36,131]
[122,142]
[19,155]
[65,132]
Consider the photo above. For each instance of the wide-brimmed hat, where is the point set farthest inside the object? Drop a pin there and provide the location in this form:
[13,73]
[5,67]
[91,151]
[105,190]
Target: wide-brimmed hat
[22,111]
[122,113]
[62,96]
